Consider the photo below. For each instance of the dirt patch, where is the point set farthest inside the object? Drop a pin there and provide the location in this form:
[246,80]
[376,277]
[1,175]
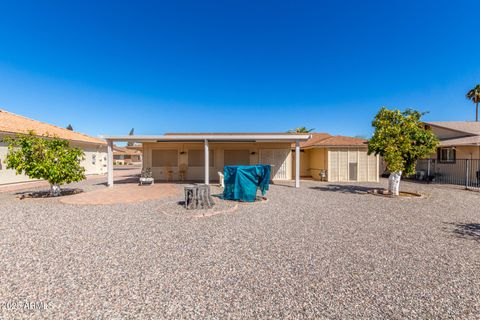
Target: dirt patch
[402,194]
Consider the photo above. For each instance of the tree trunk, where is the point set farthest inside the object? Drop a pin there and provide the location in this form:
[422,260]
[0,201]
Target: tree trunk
[476,113]
[394,183]
[55,190]
[198,197]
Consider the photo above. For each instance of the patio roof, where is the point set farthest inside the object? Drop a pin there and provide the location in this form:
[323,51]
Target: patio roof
[207,138]
[212,137]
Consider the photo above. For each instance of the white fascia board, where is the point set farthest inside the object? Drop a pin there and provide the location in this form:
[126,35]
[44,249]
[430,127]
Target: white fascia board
[232,137]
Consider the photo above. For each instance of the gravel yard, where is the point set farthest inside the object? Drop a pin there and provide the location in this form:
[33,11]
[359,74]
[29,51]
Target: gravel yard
[315,252]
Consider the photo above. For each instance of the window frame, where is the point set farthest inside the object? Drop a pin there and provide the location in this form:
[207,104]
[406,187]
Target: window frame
[165,150]
[236,150]
[450,152]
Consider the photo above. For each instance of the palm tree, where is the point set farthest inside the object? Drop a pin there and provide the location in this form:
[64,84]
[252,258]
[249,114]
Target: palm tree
[474,96]
[301,130]
[131,133]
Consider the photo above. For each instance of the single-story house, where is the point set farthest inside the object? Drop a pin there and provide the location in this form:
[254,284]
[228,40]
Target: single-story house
[126,155]
[177,156]
[457,159]
[95,149]
[458,140]
[338,158]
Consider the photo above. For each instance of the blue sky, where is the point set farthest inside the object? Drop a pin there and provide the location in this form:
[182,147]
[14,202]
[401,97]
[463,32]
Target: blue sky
[202,66]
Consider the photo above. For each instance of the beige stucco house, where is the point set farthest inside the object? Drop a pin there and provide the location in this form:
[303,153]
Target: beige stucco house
[95,149]
[126,155]
[338,159]
[458,140]
[183,156]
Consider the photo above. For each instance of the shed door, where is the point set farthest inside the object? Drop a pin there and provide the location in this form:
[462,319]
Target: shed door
[277,158]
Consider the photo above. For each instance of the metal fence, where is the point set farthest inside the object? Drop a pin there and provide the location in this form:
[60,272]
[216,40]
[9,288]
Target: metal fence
[463,172]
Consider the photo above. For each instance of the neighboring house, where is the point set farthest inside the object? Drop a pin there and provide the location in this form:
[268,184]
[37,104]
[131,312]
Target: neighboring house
[338,158]
[177,156]
[457,160]
[458,140]
[126,155]
[95,161]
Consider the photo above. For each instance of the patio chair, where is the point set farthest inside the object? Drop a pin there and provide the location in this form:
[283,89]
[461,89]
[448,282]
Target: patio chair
[221,179]
[169,174]
[146,177]
[182,171]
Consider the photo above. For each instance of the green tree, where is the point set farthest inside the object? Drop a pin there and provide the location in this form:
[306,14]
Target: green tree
[131,133]
[300,130]
[401,139]
[45,157]
[69,127]
[474,96]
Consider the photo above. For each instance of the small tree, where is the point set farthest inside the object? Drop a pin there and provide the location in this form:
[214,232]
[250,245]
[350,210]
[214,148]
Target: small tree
[474,96]
[401,139]
[69,127]
[48,158]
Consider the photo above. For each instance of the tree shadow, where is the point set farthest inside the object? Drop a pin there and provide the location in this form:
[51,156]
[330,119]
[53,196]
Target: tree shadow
[467,230]
[344,188]
[46,194]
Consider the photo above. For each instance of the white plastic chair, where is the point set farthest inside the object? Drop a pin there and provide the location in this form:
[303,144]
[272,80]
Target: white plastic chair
[221,179]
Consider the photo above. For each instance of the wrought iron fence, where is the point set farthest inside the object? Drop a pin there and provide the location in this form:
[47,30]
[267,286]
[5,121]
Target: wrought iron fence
[463,172]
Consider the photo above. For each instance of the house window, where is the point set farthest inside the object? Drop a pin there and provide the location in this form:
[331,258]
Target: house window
[236,157]
[196,158]
[164,158]
[94,159]
[446,155]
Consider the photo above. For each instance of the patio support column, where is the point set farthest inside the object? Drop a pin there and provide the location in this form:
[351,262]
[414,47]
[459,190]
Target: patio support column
[297,164]
[110,163]
[207,164]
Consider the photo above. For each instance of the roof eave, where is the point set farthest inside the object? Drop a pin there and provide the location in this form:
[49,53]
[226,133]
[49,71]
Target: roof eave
[212,138]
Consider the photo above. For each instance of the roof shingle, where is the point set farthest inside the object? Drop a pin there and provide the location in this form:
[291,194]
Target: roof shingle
[327,140]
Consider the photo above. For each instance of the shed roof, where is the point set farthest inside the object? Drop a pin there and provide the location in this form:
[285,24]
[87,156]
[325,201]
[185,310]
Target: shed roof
[14,123]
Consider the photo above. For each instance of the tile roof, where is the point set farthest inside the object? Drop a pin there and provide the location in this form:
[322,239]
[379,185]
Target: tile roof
[469,127]
[327,140]
[125,151]
[13,123]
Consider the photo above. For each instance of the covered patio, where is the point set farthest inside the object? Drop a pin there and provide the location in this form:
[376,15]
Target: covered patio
[199,156]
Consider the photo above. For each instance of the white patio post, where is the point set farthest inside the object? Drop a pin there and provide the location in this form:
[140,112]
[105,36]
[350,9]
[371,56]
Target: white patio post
[110,163]
[297,164]
[207,164]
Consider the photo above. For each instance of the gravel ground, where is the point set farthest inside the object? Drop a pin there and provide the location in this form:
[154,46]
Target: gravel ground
[313,252]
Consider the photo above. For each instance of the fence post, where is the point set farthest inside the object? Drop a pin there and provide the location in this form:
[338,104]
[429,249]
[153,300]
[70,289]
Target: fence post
[467,173]
[428,169]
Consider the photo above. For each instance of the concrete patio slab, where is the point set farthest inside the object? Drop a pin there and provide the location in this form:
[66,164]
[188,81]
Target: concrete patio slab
[124,193]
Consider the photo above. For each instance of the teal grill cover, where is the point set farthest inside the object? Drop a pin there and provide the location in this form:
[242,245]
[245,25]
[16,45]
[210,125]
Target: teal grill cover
[242,182]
